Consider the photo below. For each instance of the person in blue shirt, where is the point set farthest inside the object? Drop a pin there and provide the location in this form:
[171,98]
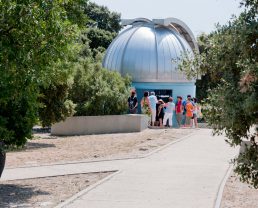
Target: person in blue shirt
[170,107]
[153,101]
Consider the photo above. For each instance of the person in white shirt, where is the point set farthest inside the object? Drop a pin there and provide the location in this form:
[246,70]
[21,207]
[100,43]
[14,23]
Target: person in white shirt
[170,107]
[153,101]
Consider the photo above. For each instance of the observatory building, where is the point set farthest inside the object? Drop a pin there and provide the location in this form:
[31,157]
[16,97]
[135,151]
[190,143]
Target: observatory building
[150,51]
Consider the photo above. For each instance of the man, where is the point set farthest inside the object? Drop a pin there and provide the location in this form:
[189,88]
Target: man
[153,101]
[170,107]
[179,111]
[189,107]
[132,103]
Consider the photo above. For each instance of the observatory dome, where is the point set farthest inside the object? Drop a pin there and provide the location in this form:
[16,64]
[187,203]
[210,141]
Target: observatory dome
[150,51]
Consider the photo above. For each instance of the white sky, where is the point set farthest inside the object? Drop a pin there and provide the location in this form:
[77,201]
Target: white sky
[199,15]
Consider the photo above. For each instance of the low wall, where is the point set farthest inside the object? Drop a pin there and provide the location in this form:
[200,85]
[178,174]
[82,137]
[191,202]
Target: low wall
[82,125]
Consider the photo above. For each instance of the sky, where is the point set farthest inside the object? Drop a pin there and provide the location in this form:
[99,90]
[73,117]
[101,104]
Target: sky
[200,15]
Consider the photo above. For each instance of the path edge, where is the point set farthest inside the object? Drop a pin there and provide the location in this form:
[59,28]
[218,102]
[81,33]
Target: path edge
[86,190]
[222,185]
[107,160]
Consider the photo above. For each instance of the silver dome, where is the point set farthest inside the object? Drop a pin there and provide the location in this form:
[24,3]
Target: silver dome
[150,51]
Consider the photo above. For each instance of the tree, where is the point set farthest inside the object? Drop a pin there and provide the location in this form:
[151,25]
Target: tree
[53,98]
[102,18]
[231,59]
[205,83]
[102,26]
[34,36]
[54,103]
[99,38]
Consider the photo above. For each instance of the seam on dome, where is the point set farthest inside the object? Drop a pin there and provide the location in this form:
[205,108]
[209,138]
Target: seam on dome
[156,49]
[169,49]
[123,55]
[120,47]
[117,49]
[106,61]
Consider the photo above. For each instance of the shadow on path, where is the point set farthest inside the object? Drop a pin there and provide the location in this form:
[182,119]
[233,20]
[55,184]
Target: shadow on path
[13,195]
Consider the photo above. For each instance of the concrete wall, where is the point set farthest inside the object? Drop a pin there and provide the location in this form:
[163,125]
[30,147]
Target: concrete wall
[83,125]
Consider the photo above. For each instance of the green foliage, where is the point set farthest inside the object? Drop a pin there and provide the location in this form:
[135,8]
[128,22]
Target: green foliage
[97,91]
[102,27]
[93,40]
[55,105]
[205,82]
[247,166]
[102,18]
[34,36]
[230,60]
[75,11]
[99,38]
[17,113]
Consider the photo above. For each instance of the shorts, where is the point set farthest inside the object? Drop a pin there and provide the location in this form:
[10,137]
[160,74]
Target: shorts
[188,120]
[194,116]
[153,115]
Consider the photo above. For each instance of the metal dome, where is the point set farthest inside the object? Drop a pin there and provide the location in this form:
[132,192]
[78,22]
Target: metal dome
[150,51]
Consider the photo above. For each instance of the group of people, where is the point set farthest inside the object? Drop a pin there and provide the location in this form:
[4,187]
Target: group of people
[161,113]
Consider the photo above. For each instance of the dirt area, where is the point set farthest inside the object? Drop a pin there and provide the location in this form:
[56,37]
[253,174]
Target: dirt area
[239,195]
[46,149]
[45,192]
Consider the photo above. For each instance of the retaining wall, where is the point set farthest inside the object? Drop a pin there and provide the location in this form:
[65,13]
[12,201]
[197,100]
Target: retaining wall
[83,125]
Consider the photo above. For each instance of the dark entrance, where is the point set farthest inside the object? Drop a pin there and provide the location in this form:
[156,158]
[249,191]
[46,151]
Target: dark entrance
[163,94]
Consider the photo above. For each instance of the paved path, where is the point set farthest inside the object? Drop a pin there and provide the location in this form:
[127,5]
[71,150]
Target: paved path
[184,175]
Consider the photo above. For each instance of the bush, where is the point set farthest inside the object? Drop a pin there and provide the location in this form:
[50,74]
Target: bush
[97,91]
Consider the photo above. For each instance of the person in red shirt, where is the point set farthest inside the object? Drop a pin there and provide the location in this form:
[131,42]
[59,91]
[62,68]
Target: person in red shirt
[179,111]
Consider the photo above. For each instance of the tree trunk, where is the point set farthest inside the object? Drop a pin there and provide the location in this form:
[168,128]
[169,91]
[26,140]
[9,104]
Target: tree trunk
[2,162]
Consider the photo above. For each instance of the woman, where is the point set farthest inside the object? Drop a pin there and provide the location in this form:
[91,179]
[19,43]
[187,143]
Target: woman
[145,104]
[160,112]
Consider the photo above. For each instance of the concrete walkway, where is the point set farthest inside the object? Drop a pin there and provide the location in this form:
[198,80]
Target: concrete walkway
[184,175]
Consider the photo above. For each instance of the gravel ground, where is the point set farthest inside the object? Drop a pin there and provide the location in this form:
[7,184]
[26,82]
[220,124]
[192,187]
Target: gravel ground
[239,195]
[45,192]
[45,149]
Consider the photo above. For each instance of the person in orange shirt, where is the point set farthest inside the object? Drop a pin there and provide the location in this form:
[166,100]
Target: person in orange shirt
[189,112]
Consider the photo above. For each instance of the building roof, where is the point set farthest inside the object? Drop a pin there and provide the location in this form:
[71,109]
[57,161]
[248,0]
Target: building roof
[150,51]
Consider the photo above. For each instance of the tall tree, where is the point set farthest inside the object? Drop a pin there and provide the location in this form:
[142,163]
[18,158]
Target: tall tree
[231,59]
[34,36]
